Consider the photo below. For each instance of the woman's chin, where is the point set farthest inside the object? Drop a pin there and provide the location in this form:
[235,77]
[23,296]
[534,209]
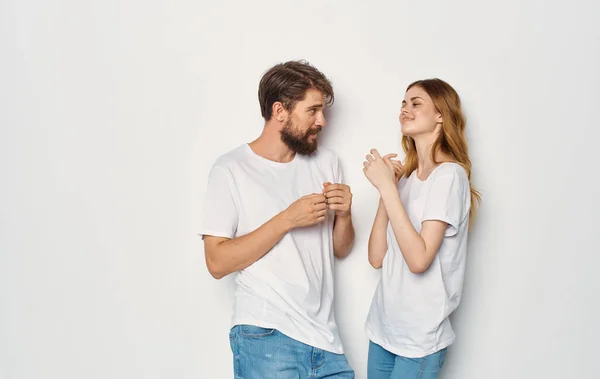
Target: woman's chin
[406,132]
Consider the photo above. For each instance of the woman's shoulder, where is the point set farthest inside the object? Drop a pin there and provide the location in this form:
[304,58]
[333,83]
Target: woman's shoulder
[451,169]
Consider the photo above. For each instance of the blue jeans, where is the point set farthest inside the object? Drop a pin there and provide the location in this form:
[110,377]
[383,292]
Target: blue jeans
[260,353]
[385,365]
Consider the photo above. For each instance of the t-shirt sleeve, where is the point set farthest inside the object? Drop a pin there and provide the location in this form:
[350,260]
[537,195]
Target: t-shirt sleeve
[446,201]
[219,213]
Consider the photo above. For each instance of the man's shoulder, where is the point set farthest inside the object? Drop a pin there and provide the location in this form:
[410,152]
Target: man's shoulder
[231,158]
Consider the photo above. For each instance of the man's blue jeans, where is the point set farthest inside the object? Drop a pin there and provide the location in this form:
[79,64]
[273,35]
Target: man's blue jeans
[260,353]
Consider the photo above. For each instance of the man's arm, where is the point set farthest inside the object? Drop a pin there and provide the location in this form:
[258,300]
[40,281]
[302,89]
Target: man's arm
[339,199]
[225,255]
[343,235]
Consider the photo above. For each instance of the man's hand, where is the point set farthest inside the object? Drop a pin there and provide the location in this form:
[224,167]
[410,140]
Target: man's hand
[306,211]
[339,198]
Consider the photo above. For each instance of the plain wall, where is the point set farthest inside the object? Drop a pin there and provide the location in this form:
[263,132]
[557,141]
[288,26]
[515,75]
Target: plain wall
[112,113]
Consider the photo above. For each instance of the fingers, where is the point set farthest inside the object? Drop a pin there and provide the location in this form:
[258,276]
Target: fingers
[320,216]
[339,207]
[315,198]
[319,207]
[389,164]
[375,153]
[336,187]
[336,193]
[336,200]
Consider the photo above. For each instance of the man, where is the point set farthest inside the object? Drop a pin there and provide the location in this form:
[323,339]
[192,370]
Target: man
[277,212]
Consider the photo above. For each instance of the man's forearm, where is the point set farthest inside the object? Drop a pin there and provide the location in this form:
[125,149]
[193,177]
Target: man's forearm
[343,235]
[231,255]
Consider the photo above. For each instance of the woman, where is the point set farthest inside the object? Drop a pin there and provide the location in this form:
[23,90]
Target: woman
[419,235]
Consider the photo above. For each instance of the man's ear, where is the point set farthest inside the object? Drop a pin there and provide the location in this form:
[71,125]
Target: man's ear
[279,112]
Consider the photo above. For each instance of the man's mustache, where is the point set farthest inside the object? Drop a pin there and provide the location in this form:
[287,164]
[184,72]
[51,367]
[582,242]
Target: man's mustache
[314,131]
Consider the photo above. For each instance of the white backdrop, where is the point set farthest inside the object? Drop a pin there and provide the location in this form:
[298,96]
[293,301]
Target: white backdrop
[112,113]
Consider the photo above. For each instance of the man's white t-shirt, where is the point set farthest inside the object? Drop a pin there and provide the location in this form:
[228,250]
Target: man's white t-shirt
[291,287]
[409,312]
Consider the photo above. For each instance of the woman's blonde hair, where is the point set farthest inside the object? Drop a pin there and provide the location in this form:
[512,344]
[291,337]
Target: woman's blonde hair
[451,141]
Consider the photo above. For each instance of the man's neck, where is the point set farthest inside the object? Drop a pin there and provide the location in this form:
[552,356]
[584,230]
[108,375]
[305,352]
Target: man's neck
[270,146]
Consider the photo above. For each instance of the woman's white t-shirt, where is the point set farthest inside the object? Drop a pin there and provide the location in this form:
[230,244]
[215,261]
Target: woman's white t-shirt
[409,312]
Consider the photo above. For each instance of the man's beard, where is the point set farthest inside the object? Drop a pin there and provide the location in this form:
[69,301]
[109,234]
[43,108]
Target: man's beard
[297,141]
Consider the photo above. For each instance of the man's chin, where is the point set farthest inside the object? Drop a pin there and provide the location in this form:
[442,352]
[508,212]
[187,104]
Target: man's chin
[307,149]
[307,152]
[306,146]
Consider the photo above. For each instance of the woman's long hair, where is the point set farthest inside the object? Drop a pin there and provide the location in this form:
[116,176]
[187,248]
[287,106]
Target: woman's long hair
[451,141]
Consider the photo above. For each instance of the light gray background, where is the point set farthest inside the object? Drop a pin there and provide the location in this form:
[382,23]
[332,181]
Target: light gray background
[112,113]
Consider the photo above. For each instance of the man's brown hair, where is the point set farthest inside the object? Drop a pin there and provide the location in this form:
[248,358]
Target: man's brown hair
[287,83]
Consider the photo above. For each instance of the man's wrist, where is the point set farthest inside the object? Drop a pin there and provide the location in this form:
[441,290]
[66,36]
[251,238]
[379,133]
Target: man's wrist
[347,215]
[284,224]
